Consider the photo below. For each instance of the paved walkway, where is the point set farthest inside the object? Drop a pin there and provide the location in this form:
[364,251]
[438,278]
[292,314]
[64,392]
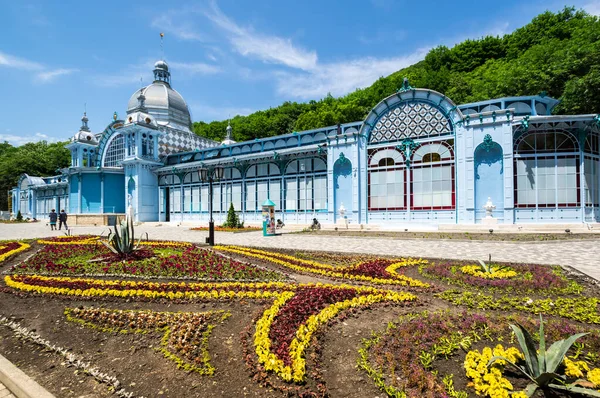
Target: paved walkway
[5,392]
[581,255]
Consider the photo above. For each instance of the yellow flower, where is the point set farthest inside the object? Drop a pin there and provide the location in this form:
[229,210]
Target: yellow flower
[593,376]
[575,369]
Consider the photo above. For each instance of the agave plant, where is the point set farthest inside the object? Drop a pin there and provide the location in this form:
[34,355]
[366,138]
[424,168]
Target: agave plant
[123,243]
[541,365]
[489,269]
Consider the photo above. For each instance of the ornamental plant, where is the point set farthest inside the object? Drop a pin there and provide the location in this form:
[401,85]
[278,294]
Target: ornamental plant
[123,244]
[541,365]
[489,271]
[233,221]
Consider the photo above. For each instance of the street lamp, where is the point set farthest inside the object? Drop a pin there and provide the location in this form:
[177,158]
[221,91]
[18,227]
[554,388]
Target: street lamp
[210,175]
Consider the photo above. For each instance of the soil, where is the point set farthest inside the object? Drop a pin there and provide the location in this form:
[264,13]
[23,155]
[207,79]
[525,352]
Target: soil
[142,370]
[495,236]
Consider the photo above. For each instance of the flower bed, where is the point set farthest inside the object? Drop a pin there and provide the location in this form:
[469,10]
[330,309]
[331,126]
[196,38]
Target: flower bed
[282,333]
[524,277]
[9,249]
[88,287]
[379,271]
[184,334]
[69,240]
[95,240]
[418,355]
[495,272]
[164,261]
[581,308]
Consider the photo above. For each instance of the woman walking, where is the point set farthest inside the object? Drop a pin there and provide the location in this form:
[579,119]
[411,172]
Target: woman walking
[53,218]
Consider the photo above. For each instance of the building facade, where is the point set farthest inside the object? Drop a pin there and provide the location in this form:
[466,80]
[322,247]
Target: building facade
[416,158]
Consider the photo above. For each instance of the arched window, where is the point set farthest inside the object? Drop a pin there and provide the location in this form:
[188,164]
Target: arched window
[115,151]
[432,177]
[547,170]
[410,120]
[386,183]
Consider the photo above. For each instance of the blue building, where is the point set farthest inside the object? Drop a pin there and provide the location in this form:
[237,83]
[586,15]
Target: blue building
[416,158]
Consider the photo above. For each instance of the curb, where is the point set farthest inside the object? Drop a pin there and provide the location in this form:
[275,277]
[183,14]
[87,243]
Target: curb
[19,383]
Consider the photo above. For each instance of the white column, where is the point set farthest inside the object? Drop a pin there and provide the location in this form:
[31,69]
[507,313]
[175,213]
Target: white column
[79,185]
[102,193]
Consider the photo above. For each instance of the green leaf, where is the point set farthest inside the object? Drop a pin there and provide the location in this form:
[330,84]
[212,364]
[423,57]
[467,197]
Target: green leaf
[542,353]
[531,389]
[558,350]
[577,390]
[528,348]
[519,368]
[546,378]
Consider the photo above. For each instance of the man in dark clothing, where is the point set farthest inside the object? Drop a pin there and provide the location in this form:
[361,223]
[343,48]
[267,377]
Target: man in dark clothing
[53,218]
[62,218]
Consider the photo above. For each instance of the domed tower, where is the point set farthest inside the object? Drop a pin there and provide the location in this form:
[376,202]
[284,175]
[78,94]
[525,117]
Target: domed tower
[169,111]
[83,146]
[160,100]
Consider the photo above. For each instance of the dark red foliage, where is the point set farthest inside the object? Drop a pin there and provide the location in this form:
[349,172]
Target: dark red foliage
[307,301]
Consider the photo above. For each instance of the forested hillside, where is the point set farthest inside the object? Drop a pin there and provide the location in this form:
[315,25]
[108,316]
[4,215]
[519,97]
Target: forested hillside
[558,53]
[34,158]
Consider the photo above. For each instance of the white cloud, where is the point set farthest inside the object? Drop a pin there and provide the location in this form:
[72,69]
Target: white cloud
[19,63]
[41,73]
[271,49]
[51,75]
[17,140]
[209,113]
[340,78]
[593,8]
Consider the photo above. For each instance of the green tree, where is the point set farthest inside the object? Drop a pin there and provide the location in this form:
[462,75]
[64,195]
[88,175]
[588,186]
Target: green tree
[233,221]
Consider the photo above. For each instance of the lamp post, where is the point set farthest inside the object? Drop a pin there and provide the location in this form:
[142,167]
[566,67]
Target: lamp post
[210,175]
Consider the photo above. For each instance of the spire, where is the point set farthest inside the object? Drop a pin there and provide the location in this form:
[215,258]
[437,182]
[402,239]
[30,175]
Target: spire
[228,140]
[84,123]
[141,101]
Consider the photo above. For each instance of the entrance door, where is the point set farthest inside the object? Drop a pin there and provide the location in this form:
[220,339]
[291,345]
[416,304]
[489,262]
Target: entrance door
[342,184]
[167,202]
[489,179]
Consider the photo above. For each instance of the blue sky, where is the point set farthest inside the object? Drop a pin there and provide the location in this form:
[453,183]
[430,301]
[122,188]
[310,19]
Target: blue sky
[227,57]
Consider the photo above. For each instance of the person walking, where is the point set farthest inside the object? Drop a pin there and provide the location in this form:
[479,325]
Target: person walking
[62,218]
[53,217]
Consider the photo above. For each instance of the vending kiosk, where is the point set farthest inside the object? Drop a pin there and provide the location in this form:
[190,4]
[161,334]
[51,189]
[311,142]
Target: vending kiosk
[268,213]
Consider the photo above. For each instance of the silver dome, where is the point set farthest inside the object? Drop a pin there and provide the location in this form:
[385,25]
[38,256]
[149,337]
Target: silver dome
[161,65]
[85,137]
[166,105]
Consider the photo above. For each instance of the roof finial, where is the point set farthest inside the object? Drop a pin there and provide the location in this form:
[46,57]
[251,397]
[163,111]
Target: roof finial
[162,49]
[228,130]
[84,119]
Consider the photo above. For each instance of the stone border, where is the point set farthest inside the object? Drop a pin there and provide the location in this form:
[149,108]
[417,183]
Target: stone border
[19,383]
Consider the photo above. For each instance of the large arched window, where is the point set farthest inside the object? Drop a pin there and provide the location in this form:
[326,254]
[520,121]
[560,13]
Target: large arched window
[547,170]
[386,181]
[432,177]
[115,152]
